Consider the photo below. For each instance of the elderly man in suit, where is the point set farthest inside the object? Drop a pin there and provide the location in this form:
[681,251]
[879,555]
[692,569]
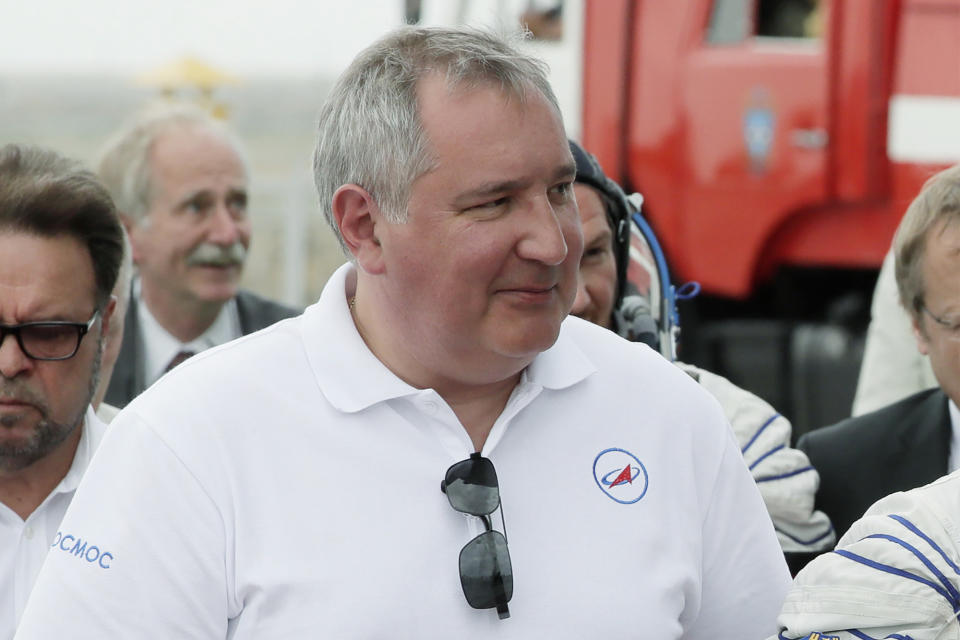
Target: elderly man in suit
[180,184]
[916,440]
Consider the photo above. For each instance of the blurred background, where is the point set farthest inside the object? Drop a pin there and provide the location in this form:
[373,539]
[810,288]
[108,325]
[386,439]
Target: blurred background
[71,72]
[776,142]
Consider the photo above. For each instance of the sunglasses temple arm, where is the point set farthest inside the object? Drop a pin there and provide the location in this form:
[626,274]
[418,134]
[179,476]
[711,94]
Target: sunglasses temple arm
[503,611]
[503,523]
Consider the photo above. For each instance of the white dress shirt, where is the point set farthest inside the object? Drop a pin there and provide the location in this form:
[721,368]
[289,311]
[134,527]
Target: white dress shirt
[24,543]
[160,347]
[954,462]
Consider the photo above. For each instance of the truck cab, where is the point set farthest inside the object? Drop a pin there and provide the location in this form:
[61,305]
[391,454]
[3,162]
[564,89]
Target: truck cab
[776,143]
[768,133]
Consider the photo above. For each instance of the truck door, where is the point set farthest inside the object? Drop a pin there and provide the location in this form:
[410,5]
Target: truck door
[755,104]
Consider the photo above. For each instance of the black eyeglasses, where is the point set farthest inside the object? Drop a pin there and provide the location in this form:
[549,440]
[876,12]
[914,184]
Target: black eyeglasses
[52,340]
[485,571]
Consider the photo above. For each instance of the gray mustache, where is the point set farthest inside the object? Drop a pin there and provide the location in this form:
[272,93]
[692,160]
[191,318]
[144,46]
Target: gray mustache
[214,254]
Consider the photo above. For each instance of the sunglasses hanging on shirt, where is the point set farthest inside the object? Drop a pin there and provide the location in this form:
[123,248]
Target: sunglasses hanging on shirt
[485,571]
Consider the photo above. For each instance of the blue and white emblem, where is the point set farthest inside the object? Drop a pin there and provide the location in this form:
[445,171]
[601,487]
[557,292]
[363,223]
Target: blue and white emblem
[759,124]
[620,475]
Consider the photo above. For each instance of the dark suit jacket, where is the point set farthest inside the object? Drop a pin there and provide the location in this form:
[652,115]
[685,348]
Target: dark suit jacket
[860,460]
[128,376]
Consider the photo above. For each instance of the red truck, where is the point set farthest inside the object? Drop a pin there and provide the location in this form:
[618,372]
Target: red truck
[772,138]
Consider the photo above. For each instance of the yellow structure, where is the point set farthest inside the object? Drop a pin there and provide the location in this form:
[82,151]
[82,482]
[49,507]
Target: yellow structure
[190,75]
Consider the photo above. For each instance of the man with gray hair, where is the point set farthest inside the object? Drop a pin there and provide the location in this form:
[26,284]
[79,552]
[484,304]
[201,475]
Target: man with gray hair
[180,184]
[351,485]
[61,247]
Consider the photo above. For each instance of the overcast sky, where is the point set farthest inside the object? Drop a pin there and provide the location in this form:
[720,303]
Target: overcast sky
[248,37]
[243,36]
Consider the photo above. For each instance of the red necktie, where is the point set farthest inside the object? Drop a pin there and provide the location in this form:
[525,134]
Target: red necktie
[178,359]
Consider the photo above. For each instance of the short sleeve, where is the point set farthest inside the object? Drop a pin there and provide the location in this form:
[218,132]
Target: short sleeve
[743,566]
[140,553]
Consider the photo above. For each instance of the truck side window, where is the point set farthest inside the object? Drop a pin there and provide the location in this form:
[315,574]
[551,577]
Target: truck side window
[729,21]
[788,18]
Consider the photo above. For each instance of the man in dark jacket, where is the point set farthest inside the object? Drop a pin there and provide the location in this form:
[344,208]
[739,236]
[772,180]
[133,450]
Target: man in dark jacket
[180,183]
[914,441]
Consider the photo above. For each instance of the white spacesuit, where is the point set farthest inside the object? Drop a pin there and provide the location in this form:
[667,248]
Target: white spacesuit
[894,574]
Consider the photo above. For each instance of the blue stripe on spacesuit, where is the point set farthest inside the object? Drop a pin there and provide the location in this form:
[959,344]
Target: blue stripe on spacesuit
[759,431]
[892,636]
[873,564]
[912,527]
[817,635]
[766,455]
[781,476]
[955,595]
[806,542]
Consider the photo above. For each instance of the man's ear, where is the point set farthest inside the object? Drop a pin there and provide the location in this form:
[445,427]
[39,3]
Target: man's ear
[106,316]
[923,344]
[357,215]
[132,227]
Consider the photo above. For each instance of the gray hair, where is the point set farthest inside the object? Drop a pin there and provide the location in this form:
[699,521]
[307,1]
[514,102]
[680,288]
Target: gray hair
[124,163]
[370,132]
[939,200]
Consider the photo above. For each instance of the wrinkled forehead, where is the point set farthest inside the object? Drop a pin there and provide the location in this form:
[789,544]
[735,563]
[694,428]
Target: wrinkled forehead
[194,155]
[446,82]
[941,260]
[469,123]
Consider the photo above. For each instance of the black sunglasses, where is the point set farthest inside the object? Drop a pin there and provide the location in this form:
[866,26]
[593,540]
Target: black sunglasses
[485,571]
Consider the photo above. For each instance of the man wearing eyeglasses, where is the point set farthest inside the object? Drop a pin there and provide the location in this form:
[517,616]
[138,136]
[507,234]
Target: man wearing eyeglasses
[435,448]
[894,574]
[60,251]
[916,440]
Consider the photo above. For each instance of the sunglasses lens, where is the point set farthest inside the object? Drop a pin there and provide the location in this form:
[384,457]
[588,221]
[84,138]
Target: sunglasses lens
[471,487]
[485,571]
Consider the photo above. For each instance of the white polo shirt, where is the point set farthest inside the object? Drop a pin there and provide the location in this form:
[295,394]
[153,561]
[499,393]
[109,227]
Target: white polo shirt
[24,543]
[287,485]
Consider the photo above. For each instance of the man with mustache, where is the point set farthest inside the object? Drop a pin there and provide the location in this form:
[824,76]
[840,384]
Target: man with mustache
[180,184]
[61,244]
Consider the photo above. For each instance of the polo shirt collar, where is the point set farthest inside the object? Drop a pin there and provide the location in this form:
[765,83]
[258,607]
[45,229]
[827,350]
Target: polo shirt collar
[90,437]
[360,380]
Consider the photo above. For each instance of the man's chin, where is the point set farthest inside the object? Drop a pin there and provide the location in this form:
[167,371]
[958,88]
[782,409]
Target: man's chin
[18,451]
[525,342]
[26,443]
[216,290]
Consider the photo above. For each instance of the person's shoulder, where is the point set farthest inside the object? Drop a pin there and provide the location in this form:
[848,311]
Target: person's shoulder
[878,578]
[640,376]
[941,498]
[609,347]
[257,312]
[891,416]
[252,362]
